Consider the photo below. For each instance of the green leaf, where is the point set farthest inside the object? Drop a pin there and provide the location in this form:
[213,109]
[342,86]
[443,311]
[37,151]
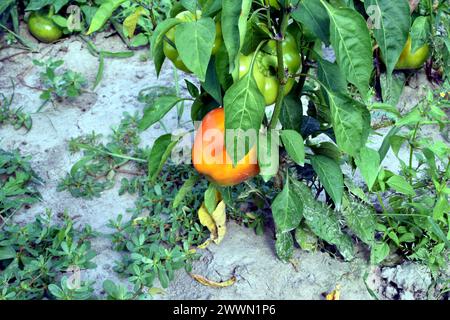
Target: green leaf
[392,87]
[159,154]
[103,13]
[163,277]
[56,291]
[385,107]
[313,15]
[351,42]
[287,209]
[323,222]
[420,33]
[284,246]
[244,111]
[386,143]
[351,122]
[7,253]
[234,27]
[399,184]
[291,113]
[157,41]
[295,146]
[379,252]
[184,190]
[35,5]
[194,41]
[5,4]
[161,107]
[392,21]
[58,4]
[331,75]
[360,218]
[268,154]
[254,35]
[330,176]
[211,83]
[306,239]
[110,288]
[368,162]
[190,5]
[211,198]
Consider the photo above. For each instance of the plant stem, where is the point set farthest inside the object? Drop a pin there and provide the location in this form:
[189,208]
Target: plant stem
[281,74]
[411,149]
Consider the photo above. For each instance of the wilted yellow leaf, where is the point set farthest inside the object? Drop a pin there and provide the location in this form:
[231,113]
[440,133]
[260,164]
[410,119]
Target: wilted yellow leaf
[210,283]
[220,218]
[335,294]
[155,291]
[205,244]
[130,23]
[207,221]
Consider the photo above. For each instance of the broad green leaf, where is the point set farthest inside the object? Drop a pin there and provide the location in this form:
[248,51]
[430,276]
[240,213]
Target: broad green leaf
[184,190]
[7,253]
[284,246]
[306,239]
[322,221]
[420,32]
[295,146]
[368,162]
[330,176]
[351,42]
[360,218]
[351,122]
[5,4]
[103,13]
[190,5]
[391,23]
[210,7]
[194,41]
[254,35]
[244,111]
[379,252]
[385,107]
[331,75]
[212,84]
[287,209]
[60,21]
[386,143]
[161,150]
[313,15]
[234,27]
[413,117]
[58,4]
[328,149]
[291,113]
[157,111]
[157,41]
[35,5]
[392,87]
[399,184]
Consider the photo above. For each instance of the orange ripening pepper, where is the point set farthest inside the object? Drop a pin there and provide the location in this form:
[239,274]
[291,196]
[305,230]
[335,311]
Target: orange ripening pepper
[210,157]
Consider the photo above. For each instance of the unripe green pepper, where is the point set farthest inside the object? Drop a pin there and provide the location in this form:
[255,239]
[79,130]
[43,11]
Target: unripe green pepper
[410,60]
[43,28]
[266,65]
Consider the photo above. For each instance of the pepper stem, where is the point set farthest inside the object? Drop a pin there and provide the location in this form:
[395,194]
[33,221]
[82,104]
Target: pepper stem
[280,71]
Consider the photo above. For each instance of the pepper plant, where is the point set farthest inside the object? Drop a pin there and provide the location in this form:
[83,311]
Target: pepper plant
[271,55]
